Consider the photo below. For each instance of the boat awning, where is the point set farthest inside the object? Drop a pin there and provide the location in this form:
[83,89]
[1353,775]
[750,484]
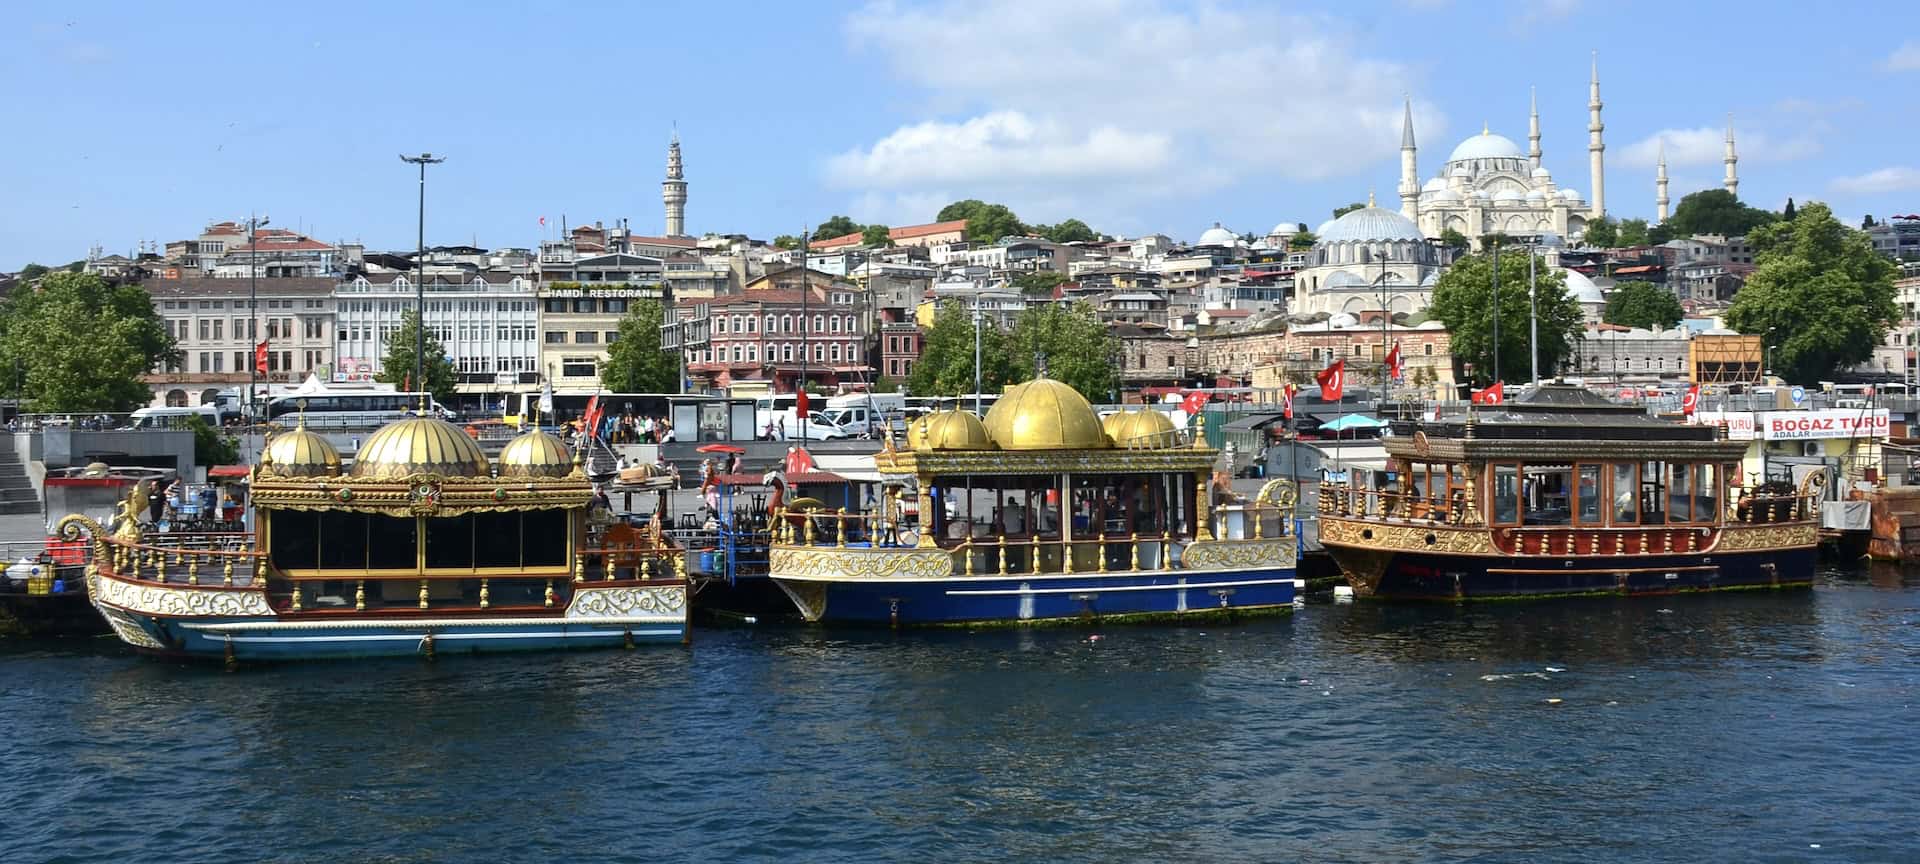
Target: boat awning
[801,478]
[229,471]
[854,467]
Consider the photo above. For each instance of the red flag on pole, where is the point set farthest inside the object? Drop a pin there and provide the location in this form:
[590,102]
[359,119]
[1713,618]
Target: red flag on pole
[592,417]
[800,405]
[406,383]
[1333,381]
[1690,401]
[1490,396]
[260,357]
[1393,362]
[1286,396]
[1194,402]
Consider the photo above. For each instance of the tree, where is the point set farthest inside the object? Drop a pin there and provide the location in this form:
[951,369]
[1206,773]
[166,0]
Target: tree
[1463,300]
[945,367]
[1455,240]
[786,241]
[35,271]
[1643,304]
[1039,283]
[210,447]
[1301,241]
[398,366]
[875,236]
[1660,234]
[986,223]
[1070,231]
[1342,211]
[1602,233]
[79,343]
[1716,211]
[1788,214]
[1078,349]
[635,361]
[838,226]
[1865,223]
[1633,232]
[1819,295]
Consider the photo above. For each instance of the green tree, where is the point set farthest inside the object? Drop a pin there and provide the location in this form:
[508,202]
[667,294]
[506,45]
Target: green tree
[635,361]
[1079,350]
[1788,214]
[786,241]
[1455,240]
[875,236]
[79,343]
[1602,233]
[1643,304]
[1301,242]
[1865,223]
[210,447]
[1819,295]
[838,226]
[1463,300]
[1633,232]
[398,367]
[945,367]
[1070,231]
[1038,283]
[1342,211]
[35,271]
[1660,234]
[986,223]
[1716,211]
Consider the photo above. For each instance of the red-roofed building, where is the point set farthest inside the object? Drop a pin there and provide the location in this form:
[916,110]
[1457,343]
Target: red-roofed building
[767,332]
[930,234]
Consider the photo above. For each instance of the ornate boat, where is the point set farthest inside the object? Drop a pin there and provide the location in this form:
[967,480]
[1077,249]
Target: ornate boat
[1562,492]
[1039,512]
[421,547]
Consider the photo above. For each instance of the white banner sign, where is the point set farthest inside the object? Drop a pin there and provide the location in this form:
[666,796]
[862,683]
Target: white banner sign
[1739,423]
[1827,423]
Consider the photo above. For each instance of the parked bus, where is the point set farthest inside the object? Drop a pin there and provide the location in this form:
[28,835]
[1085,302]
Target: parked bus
[349,410]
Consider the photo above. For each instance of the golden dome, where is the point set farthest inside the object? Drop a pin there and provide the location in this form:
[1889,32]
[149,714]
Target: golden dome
[1044,414]
[535,454]
[419,445]
[300,454]
[954,430]
[917,430]
[1144,428]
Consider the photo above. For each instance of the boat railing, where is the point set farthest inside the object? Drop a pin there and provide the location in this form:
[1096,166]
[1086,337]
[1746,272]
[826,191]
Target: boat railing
[1458,509]
[182,558]
[641,561]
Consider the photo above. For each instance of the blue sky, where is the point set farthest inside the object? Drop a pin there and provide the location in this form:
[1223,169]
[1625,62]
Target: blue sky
[139,121]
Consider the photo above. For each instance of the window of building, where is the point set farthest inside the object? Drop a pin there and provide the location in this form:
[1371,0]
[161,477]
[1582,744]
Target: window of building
[552,306]
[1427,349]
[753,353]
[834,354]
[819,353]
[786,323]
[819,324]
[618,307]
[206,327]
[833,324]
[586,306]
[786,352]
[612,335]
[770,323]
[576,368]
[736,354]
[556,337]
[720,323]
[585,337]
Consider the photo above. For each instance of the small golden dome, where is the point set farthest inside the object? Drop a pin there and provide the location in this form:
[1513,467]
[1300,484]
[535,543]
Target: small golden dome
[300,453]
[1142,429]
[1044,414]
[535,454]
[917,431]
[419,445]
[955,430]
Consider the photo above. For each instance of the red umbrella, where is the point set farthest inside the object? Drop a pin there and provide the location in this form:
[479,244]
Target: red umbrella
[719,448]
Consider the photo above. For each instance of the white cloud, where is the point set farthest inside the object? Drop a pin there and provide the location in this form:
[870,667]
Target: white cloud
[1120,102]
[1895,179]
[1544,11]
[1705,145]
[1905,58]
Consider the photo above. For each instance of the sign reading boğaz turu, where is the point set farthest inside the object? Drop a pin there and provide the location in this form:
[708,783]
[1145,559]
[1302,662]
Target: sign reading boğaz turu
[1827,423]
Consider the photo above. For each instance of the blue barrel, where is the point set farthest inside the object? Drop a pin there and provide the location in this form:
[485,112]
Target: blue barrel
[706,561]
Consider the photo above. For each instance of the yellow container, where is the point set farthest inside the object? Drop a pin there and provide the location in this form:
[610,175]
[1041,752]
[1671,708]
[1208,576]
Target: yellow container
[40,586]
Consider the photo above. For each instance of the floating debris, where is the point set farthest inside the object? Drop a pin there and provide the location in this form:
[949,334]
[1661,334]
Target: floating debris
[1554,700]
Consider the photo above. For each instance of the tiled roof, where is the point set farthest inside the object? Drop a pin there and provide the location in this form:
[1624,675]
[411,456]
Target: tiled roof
[677,242]
[929,228]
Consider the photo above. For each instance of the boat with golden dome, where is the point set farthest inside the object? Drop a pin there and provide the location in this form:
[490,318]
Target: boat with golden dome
[1039,512]
[420,546]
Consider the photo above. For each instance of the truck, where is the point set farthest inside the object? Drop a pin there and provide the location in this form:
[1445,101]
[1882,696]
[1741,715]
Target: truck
[867,414]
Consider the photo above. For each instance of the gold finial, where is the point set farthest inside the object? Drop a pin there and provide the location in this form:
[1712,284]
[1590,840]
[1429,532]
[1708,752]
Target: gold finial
[1485,129]
[1369,196]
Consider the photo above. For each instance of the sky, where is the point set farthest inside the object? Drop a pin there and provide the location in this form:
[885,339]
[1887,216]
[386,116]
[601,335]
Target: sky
[144,122]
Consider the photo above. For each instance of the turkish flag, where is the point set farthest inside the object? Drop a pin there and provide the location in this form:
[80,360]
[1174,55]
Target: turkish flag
[798,461]
[1194,402]
[592,417]
[1333,381]
[1690,401]
[1286,396]
[1393,362]
[1492,395]
[800,405]
[260,357]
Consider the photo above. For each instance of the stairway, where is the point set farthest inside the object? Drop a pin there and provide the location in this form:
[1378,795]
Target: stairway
[17,494]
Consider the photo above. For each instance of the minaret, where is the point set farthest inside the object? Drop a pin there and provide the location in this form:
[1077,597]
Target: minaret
[1732,183]
[1533,128]
[1596,150]
[1660,186]
[673,191]
[1409,174]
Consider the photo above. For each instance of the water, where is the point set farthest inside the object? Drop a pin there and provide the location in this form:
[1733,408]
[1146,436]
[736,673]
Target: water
[1743,727]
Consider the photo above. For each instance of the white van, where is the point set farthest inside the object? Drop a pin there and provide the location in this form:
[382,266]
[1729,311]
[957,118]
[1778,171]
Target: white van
[173,418]
[867,413]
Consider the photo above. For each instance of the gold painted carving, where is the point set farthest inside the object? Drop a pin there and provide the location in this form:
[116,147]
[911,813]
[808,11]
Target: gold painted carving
[1406,538]
[837,564]
[162,600]
[624,602]
[1741,539]
[130,631]
[1238,554]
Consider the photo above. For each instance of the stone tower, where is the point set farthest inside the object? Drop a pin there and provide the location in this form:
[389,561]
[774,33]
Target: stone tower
[1660,186]
[1596,151]
[1533,128]
[1732,182]
[673,191]
[1409,172]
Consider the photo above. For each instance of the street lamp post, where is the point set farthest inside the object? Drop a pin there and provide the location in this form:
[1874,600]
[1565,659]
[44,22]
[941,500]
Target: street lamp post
[253,312]
[420,278]
[1496,311]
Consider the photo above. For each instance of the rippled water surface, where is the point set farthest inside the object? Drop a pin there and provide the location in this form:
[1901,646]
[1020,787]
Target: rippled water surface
[1746,727]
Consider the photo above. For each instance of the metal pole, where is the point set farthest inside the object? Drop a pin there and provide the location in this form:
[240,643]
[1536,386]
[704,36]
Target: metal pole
[1533,317]
[801,389]
[1496,311]
[976,353]
[420,280]
[253,312]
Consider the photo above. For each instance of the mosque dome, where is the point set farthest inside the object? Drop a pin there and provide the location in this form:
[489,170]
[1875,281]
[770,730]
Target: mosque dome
[1323,229]
[1435,185]
[1343,279]
[1443,194]
[952,430]
[1286,229]
[1218,236]
[1569,195]
[1044,414]
[1535,196]
[300,454]
[1141,429]
[1508,196]
[1540,173]
[1548,238]
[1433,278]
[1370,224]
[1486,145]
[419,445]
[535,454]
[1460,171]
[1582,289]
[1344,319]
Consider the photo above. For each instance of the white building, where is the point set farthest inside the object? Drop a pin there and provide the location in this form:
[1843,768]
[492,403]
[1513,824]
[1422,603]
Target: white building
[1364,259]
[489,326]
[217,334]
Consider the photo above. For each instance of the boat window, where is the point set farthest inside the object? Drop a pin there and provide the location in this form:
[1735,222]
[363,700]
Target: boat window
[343,540]
[1653,493]
[1588,496]
[1625,497]
[1506,494]
[295,539]
[450,543]
[1706,507]
[1548,494]
[547,529]
[392,542]
[496,540]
